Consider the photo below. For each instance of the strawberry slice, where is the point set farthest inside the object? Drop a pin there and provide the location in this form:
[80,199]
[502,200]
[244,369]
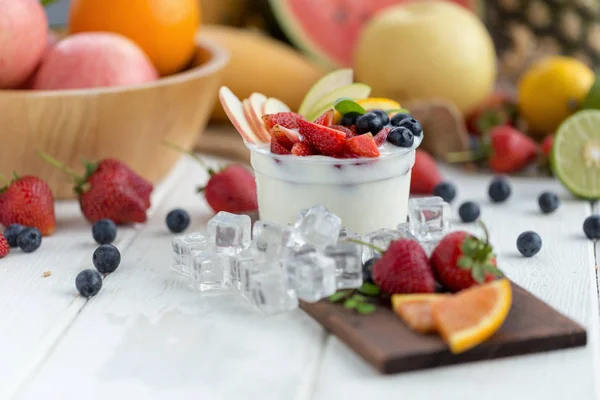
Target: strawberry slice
[362,146]
[285,119]
[327,141]
[349,133]
[284,136]
[326,119]
[303,149]
[382,135]
[276,148]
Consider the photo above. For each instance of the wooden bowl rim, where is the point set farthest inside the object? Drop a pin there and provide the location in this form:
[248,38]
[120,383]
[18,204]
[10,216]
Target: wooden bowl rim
[218,60]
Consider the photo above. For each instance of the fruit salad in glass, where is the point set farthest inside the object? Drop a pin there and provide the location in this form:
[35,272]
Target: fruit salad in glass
[342,149]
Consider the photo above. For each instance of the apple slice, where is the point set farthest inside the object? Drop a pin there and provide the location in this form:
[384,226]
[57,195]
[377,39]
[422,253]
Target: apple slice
[274,106]
[257,104]
[324,86]
[235,112]
[248,115]
[354,91]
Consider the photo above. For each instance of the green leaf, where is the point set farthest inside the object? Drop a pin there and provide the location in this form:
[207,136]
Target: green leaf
[478,274]
[346,105]
[366,308]
[334,298]
[369,289]
[351,303]
[465,262]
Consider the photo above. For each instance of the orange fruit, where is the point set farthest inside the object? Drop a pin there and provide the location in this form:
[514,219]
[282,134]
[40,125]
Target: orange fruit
[415,310]
[473,315]
[164,29]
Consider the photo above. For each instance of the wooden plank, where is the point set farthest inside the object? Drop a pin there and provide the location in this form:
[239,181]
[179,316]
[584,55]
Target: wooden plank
[391,347]
[562,275]
[36,311]
[147,335]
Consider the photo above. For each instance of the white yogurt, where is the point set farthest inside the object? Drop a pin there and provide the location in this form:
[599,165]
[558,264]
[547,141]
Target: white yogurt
[367,193]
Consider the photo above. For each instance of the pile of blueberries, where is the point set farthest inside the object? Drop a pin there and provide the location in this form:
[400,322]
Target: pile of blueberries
[28,239]
[529,243]
[404,128]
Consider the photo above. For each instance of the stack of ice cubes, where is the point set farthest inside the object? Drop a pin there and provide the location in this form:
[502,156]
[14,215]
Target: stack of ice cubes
[276,265]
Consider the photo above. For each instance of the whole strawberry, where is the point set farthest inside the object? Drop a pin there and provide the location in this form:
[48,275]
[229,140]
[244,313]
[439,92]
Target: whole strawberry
[511,150]
[109,190]
[4,247]
[425,174]
[461,260]
[28,201]
[404,268]
[498,109]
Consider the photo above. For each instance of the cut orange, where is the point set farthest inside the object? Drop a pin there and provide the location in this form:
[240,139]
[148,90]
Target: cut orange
[415,310]
[473,315]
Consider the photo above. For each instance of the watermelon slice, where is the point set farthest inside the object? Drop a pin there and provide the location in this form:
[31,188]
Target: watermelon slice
[328,29]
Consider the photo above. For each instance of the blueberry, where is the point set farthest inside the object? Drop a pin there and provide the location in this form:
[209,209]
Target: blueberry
[408,122]
[178,220]
[367,268]
[369,122]
[469,211]
[591,227]
[383,115]
[401,137]
[106,258]
[499,190]
[11,233]
[349,119]
[88,282]
[446,191]
[29,240]
[548,202]
[104,231]
[529,243]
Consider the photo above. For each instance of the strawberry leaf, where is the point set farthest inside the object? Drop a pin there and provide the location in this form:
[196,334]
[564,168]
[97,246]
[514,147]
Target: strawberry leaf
[478,274]
[465,262]
[369,289]
[366,308]
[334,298]
[351,303]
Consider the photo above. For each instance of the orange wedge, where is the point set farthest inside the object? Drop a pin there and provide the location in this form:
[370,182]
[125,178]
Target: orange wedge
[415,310]
[470,317]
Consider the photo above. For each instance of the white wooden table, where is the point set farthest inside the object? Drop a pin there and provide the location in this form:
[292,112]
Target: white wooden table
[146,335]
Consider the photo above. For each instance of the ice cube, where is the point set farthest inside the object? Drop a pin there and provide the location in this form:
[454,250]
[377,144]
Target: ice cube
[346,234]
[243,266]
[270,239]
[317,227]
[312,275]
[230,233]
[269,289]
[185,248]
[380,239]
[211,271]
[429,220]
[404,228]
[348,264]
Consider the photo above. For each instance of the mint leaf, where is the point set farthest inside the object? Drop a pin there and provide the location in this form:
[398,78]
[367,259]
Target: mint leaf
[334,298]
[369,289]
[365,308]
[346,105]
[351,303]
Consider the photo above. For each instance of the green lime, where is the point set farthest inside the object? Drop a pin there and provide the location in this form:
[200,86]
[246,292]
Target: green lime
[576,154]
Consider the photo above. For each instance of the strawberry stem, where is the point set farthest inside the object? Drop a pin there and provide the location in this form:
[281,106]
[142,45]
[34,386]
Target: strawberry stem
[55,163]
[486,232]
[463,156]
[180,149]
[3,180]
[378,249]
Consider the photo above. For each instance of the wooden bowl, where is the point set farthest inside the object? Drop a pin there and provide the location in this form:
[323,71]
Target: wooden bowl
[128,123]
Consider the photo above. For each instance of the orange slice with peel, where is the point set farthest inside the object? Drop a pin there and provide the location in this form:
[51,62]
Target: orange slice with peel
[372,103]
[415,310]
[471,316]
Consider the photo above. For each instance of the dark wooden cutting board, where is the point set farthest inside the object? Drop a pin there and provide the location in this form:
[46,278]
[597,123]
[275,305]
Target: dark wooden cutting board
[384,341]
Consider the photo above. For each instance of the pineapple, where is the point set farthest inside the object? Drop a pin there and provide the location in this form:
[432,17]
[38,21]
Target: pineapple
[526,30]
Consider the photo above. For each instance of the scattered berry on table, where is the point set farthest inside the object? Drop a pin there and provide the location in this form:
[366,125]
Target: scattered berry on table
[88,282]
[529,243]
[404,268]
[548,202]
[29,240]
[367,269]
[446,190]
[401,137]
[408,122]
[591,227]
[469,211]
[178,220]
[4,246]
[104,231]
[369,122]
[11,233]
[383,115]
[499,189]
[349,119]
[106,258]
